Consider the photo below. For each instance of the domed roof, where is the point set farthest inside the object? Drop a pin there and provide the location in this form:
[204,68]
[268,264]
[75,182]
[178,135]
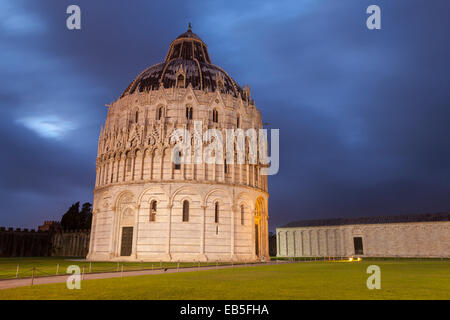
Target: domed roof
[187,63]
[189,34]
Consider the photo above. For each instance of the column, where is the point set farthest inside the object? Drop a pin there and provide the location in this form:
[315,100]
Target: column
[152,156]
[194,167]
[266,235]
[100,175]
[202,232]
[278,243]
[233,173]
[135,233]
[113,165]
[261,248]
[118,169]
[92,237]
[161,165]
[287,243]
[240,174]
[223,175]
[169,209]
[253,234]
[310,243]
[233,215]
[248,174]
[97,176]
[133,169]
[183,169]
[124,167]
[303,247]
[318,242]
[115,232]
[205,167]
[142,164]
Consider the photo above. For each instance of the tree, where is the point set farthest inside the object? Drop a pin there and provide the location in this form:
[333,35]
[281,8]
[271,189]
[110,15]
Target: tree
[68,221]
[272,244]
[75,219]
[86,216]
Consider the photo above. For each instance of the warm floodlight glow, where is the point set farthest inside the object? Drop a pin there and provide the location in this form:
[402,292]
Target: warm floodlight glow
[350,259]
[359,259]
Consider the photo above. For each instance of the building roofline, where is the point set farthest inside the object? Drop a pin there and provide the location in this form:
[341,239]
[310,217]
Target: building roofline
[423,217]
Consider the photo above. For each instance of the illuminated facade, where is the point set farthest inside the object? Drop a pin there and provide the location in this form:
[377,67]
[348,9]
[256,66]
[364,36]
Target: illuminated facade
[146,207]
[423,235]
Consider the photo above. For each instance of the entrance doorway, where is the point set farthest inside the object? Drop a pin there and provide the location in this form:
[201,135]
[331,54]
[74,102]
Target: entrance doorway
[259,228]
[127,241]
[257,240]
[358,243]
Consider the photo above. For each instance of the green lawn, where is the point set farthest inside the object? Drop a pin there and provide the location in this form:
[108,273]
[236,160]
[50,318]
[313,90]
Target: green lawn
[46,266]
[305,280]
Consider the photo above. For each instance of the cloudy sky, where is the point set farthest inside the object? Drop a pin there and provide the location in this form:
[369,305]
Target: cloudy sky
[363,115]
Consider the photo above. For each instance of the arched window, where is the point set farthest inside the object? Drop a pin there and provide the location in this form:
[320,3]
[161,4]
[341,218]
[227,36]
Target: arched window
[136,116]
[178,165]
[238,122]
[185,211]
[242,215]
[153,210]
[189,113]
[225,166]
[160,113]
[216,213]
[129,163]
[180,81]
[220,85]
[215,116]
[107,174]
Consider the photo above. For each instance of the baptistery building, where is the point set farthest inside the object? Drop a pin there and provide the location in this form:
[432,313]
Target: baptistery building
[148,207]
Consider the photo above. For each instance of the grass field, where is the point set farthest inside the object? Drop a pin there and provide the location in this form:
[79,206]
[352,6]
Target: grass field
[48,266]
[305,280]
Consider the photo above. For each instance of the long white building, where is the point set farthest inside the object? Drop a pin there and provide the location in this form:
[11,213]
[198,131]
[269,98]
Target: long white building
[422,235]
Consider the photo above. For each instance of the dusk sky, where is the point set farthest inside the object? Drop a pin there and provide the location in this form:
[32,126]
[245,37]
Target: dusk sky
[363,114]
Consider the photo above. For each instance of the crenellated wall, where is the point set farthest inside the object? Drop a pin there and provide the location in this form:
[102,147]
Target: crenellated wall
[72,243]
[24,243]
[29,243]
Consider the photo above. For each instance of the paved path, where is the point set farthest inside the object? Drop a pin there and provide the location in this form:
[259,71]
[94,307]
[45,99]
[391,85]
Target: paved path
[6,284]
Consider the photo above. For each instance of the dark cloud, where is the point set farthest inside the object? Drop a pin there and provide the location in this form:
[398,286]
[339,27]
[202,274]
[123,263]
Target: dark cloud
[362,114]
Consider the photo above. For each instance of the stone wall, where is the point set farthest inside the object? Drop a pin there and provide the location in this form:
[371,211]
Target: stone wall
[24,243]
[73,243]
[421,239]
[29,243]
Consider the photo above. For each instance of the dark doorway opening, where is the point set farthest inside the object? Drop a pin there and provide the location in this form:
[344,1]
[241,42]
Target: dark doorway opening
[358,243]
[257,240]
[127,241]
